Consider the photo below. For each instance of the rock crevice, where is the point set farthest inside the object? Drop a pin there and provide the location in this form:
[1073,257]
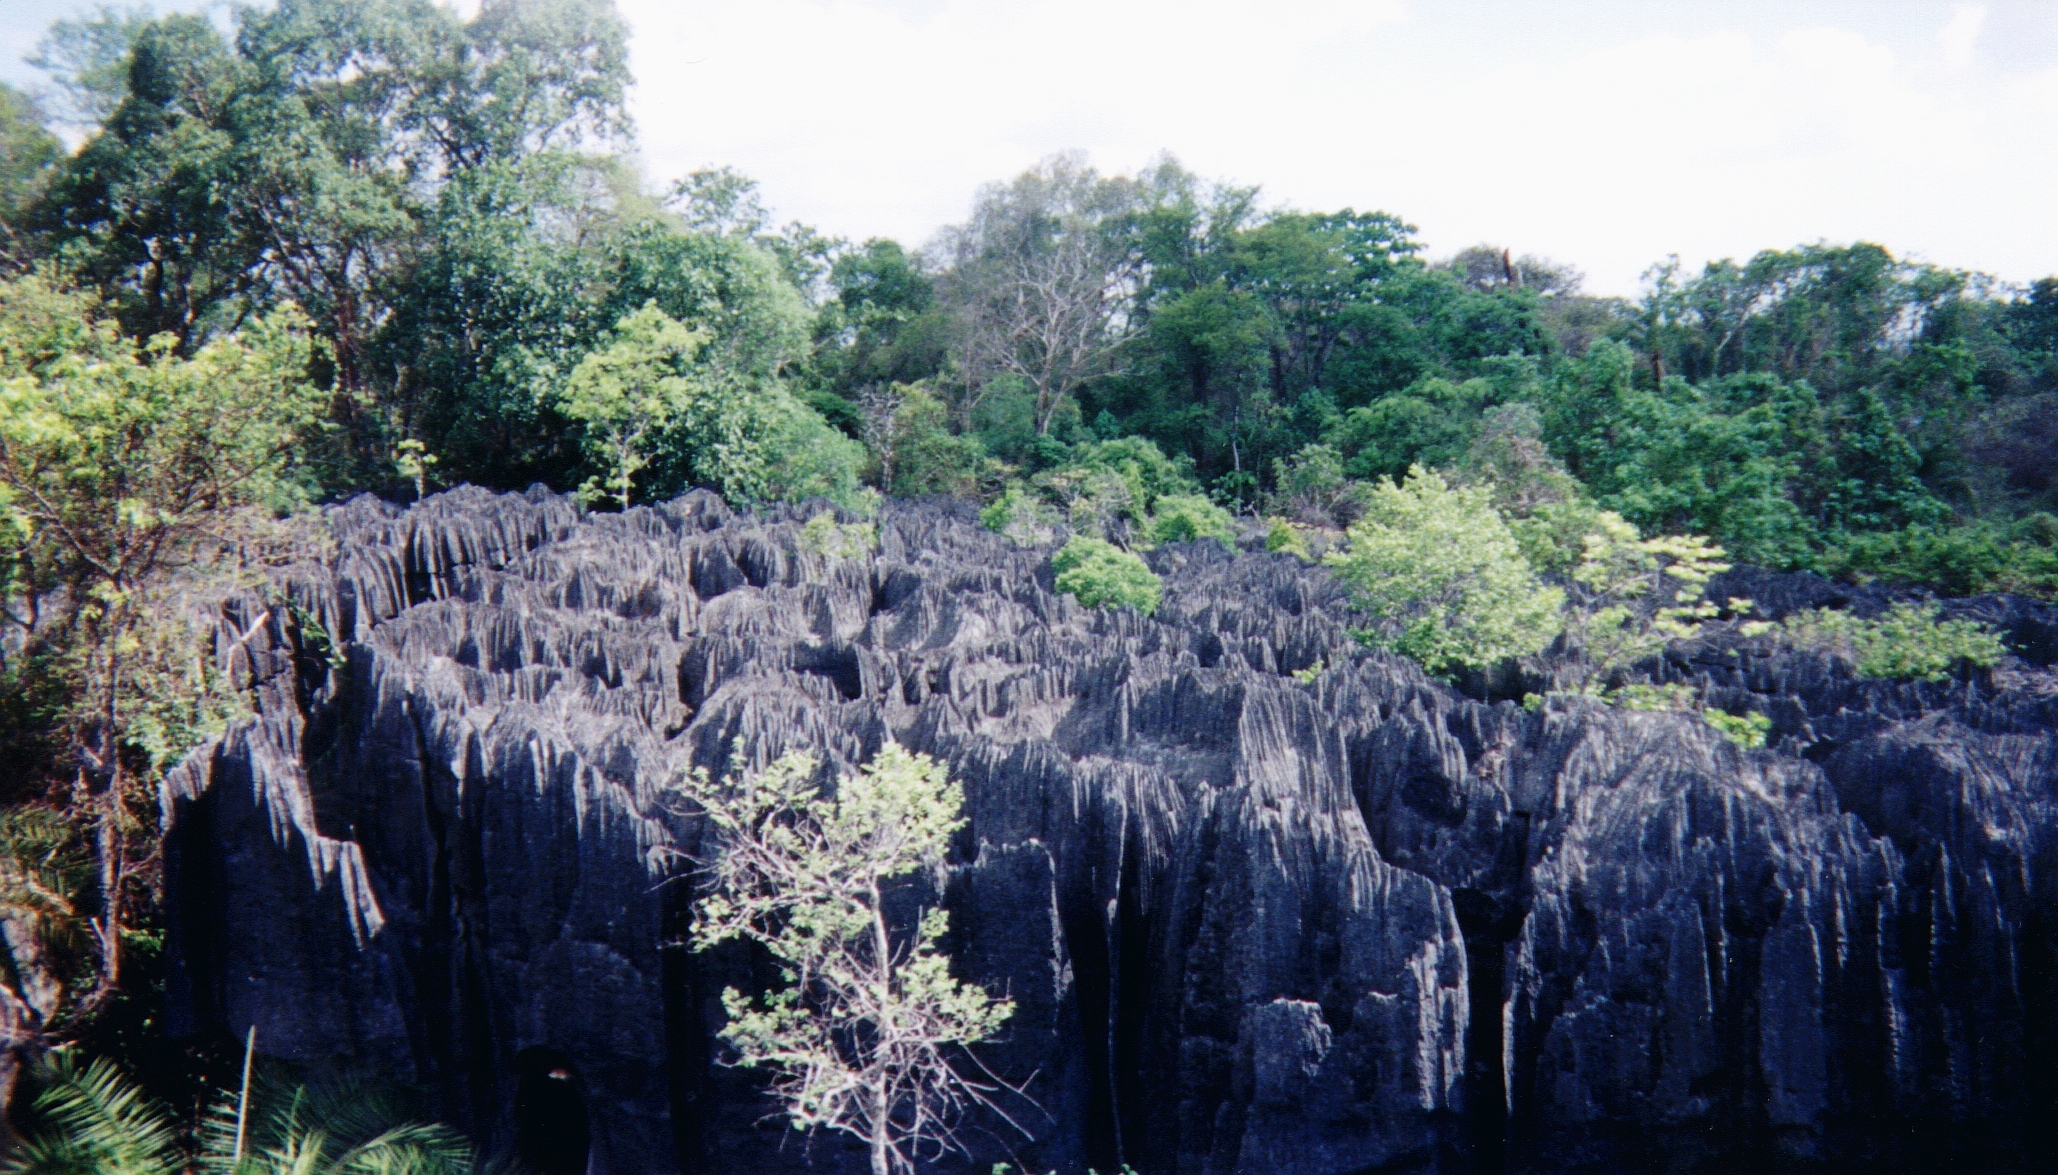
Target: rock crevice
[1251,924]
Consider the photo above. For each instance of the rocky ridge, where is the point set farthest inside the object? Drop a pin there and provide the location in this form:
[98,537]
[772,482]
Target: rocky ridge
[1252,923]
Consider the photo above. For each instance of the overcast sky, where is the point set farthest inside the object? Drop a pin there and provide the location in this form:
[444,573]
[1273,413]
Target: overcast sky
[1605,133]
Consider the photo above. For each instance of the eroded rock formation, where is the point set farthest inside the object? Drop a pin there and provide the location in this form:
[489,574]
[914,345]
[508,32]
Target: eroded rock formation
[1252,924]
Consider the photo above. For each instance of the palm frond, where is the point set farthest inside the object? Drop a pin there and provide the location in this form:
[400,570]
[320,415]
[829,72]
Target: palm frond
[100,1121]
[350,1127]
[414,1149]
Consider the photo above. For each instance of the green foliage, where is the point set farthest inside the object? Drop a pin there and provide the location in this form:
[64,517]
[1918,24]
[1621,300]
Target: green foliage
[863,1037]
[1961,560]
[1311,488]
[1021,515]
[1431,424]
[334,155]
[1909,643]
[136,489]
[1649,697]
[88,59]
[101,1122]
[1618,570]
[1283,537]
[1442,577]
[29,153]
[1546,507]
[1676,461]
[917,452]
[825,536]
[1746,730]
[1185,518]
[639,385]
[1108,489]
[654,397]
[413,461]
[1102,575]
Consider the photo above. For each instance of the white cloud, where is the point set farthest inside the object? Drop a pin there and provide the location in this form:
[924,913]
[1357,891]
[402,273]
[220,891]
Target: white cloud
[1961,36]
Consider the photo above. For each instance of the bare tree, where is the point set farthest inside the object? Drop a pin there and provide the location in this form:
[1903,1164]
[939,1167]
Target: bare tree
[1042,279]
[878,409]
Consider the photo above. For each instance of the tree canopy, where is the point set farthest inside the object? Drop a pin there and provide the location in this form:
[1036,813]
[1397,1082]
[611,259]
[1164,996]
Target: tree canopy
[268,259]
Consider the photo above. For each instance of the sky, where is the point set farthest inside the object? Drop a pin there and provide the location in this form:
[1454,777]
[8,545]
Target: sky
[1604,133]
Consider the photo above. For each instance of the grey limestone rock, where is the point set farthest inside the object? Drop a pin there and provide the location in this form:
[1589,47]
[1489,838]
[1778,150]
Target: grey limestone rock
[1251,924]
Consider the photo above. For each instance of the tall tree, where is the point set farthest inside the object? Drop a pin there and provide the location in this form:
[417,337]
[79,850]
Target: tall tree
[28,155]
[135,485]
[1044,280]
[302,161]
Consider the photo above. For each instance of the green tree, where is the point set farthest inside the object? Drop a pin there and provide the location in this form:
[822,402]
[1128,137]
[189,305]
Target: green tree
[88,58]
[1185,518]
[660,397]
[1910,643]
[135,486]
[868,1038]
[29,153]
[629,391]
[917,452]
[1633,595]
[1039,279]
[1440,574]
[300,162]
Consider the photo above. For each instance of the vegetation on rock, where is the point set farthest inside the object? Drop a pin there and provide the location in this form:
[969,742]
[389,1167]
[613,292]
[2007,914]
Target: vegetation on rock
[1101,575]
[868,1034]
[1441,576]
[346,247]
[1910,643]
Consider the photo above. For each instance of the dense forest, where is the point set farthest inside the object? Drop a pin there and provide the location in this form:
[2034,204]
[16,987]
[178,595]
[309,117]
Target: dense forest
[350,246]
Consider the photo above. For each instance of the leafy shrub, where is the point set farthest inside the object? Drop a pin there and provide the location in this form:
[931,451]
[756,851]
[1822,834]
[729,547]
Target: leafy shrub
[1185,518]
[838,540]
[1617,569]
[1105,488]
[1432,423]
[917,452]
[1021,516]
[1442,577]
[1745,730]
[657,398]
[1959,561]
[1909,643]
[1283,537]
[1311,488]
[1102,575]
[1142,466]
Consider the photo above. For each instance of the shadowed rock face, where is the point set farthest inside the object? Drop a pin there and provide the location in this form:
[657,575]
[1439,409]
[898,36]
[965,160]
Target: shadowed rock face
[1250,924]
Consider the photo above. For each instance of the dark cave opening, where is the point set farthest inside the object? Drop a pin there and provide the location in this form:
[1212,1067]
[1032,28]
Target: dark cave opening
[552,1132]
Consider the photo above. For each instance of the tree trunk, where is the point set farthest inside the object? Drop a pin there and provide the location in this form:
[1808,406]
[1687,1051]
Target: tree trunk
[882,1106]
[1046,408]
[882,1124]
